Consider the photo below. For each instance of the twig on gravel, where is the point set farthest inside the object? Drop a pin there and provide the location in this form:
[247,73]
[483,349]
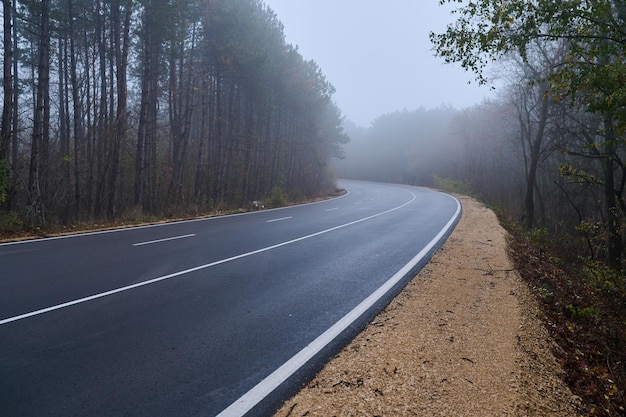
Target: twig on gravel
[291,409]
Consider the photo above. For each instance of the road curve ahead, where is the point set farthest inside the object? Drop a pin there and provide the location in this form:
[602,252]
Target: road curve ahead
[224,316]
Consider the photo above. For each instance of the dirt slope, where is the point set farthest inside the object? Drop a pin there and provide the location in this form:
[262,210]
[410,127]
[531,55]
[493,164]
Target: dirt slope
[462,339]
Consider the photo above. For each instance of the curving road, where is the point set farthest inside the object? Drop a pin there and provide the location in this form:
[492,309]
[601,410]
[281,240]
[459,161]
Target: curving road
[222,316]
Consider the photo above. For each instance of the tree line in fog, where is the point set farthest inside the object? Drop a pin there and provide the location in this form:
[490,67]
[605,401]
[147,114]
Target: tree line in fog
[127,108]
[551,149]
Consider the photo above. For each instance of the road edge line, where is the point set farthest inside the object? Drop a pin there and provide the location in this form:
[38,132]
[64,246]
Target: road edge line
[127,229]
[194,269]
[259,392]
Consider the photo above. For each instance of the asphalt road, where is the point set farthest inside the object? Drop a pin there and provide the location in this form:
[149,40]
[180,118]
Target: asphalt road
[221,316]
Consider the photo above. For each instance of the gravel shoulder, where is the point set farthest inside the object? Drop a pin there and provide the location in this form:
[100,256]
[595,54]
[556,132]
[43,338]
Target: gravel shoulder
[462,339]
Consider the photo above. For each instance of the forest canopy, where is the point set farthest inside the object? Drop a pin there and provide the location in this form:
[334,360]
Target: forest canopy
[152,107]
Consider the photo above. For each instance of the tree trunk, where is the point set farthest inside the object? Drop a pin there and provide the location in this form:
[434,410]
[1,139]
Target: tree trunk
[16,94]
[203,141]
[614,243]
[182,99]
[89,133]
[64,130]
[535,154]
[145,165]
[121,38]
[6,127]
[102,124]
[13,185]
[38,140]
[77,109]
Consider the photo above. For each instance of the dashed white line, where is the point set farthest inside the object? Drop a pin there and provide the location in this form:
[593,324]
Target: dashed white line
[162,240]
[197,268]
[279,220]
[333,209]
[135,228]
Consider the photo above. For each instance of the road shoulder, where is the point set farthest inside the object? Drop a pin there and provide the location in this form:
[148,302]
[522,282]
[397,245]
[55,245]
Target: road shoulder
[463,338]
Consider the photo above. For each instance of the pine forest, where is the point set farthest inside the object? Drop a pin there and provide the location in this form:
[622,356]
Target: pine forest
[122,109]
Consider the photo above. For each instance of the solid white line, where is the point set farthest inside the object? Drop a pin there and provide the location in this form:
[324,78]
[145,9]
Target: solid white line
[250,399]
[126,229]
[197,268]
[279,220]
[163,240]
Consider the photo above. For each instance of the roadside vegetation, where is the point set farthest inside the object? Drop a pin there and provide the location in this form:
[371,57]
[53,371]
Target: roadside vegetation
[275,200]
[583,309]
[549,154]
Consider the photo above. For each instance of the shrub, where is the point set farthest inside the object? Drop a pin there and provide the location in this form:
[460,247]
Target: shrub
[453,186]
[278,197]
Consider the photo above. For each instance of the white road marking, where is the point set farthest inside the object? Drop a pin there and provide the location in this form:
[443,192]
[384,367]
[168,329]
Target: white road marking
[279,220]
[332,209]
[250,399]
[197,268]
[162,240]
[128,229]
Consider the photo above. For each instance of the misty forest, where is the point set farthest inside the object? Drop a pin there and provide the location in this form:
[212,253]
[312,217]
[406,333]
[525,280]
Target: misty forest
[123,109]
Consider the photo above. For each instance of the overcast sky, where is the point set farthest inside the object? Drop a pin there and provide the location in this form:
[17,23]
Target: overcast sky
[377,54]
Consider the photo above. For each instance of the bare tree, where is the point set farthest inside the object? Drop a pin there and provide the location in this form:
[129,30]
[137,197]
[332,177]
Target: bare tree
[40,136]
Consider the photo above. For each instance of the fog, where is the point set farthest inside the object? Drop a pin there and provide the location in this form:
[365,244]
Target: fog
[403,147]
[378,58]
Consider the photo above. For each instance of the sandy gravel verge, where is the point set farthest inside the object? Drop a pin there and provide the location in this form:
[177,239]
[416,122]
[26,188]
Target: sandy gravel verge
[462,339]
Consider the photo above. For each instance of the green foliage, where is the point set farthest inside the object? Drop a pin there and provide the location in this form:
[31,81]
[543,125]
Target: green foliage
[586,312]
[35,216]
[605,278]
[453,186]
[278,197]
[594,69]
[577,176]
[544,291]
[593,233]
[10,222]
[539,237]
